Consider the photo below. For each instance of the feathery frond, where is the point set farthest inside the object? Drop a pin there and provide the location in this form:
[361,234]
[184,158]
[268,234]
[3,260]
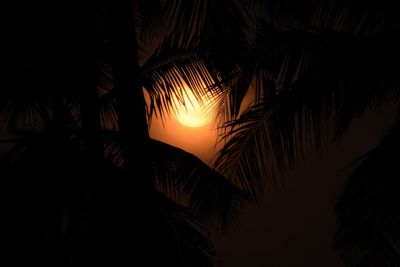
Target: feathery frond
[368,209]
[260,147]
[305,72]
[187,180]
[172,68]
[191,233]
[204,190]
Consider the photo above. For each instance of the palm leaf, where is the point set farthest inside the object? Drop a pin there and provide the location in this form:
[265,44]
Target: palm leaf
[293,63]
[187,180]
[60,209]
[28,113]
[368,208]
[172,68]
[205,191]
[198,52]
[191,233]
[151,25]
[259,148]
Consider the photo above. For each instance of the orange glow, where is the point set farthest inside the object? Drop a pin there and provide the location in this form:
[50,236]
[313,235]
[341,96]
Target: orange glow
[200,141]
[193,113]
[178,130]
[190,128]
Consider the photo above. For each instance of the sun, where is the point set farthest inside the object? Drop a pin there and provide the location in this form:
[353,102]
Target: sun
[193,113]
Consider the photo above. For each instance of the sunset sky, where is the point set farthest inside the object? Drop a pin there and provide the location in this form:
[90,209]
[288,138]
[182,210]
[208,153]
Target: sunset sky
[282,153]
[190,128]
[291,226]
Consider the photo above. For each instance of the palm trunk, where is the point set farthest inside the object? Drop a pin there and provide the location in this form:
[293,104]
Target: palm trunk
[91,120]
[90,250]
[142,235]
[129,94]
[93,162]
[136,222]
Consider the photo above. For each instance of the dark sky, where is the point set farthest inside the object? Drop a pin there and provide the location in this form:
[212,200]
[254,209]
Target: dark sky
[294,226]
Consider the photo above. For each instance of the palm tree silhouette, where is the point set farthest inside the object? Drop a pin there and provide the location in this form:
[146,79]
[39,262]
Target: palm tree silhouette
[76,103]
[79,89]
[310,62]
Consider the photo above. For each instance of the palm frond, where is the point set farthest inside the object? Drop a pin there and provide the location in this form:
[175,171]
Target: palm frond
[29,113]
[187,18]
[190,232]
[187,180]
[368,208]
[25,168]
[260,147]
[197,52]
[151,24]
[107,113]
[181,174]
[107,102]
[302,79]
[112,150]
[172,68]
[323,38]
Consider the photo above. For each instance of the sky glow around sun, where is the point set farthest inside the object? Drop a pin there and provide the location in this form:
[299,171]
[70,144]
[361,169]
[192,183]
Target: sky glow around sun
[193,113]
[191,126]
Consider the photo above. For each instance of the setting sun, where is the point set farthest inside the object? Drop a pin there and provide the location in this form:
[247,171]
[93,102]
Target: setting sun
[193,113]
[190,127]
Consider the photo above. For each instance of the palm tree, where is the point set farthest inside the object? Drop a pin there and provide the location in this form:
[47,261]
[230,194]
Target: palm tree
[368,209]
[310,62]
[54,106]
